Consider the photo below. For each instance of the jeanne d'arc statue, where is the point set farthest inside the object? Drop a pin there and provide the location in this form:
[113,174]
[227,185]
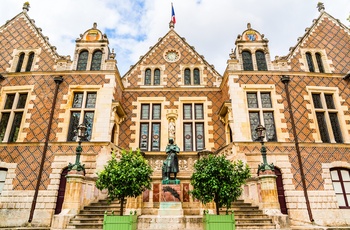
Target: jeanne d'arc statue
[171,163]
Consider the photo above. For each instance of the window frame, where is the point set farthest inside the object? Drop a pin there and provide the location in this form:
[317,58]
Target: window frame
[261,63]
[82,63]
[247,66]
[191,76]
[190,124]
[98,60]
[147,141]
[2,182]
[345,194]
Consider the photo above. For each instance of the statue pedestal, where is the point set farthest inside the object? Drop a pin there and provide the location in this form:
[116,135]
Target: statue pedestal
[170,198]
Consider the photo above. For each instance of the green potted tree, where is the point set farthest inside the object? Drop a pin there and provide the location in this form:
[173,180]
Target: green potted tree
[217,179]
[127,177]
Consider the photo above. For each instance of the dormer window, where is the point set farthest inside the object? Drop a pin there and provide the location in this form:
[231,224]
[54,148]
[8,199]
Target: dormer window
[24,60]
[152,79]
[96,60]
[247,61]
[310,63]
[193,79]
[261,60]
[82,60]
[319,62]
[20,62]
[30,61]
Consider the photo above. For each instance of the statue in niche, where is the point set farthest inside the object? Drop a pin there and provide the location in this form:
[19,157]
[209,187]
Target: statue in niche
[171,128]
[171,163]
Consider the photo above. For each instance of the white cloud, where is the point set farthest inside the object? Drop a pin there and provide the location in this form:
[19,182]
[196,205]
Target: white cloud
[211,26]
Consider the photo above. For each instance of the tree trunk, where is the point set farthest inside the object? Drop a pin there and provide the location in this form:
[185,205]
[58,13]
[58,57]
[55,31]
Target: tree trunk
[216,200]
[121,206]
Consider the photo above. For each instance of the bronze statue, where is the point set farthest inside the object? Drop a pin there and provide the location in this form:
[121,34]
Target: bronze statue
[171,163]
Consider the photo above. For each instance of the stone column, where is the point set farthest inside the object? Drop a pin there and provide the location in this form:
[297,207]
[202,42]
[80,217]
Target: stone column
[72,195]
[268,192]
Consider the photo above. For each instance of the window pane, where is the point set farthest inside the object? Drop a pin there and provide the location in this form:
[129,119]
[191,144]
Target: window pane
[148,77]
[337,187]
[30,62]
[322,126]
[188,137]
[329,101]
[144,137]
[247,60]
[156,137]
[22,101]
[341,200]
[74,122]
[266,100]
[199,136]
[15,127]
[1,186]
[187,77]
[82,60]
[96,60]
[196,78]
[335,127]
[316,98]
[2,175]
[188,111]
[345,175]
[78,100]
[252,100]
[156,112]
[88,121]
[199,111]
[270,126]
[91,100]
[261,60]
[347,187]
[319,62]
[334,175]
[145,111]
[20,62]
[254,122]
[156,77]
[310,63]
[3,124]
[9,101]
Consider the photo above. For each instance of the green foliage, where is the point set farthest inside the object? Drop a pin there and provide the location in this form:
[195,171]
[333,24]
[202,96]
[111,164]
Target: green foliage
[127,177]
[217,179]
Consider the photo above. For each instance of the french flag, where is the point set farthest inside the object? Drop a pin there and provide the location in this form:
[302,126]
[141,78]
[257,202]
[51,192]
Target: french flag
[173,14]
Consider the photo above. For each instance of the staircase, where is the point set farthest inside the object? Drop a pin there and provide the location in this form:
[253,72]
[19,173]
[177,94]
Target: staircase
[246,215]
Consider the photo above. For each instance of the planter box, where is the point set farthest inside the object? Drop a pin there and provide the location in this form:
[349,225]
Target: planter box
[219,222]
[112,222]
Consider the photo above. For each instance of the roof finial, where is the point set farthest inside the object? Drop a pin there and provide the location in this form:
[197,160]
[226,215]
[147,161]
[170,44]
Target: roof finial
[171,25]
[94,25]
[320,6]
[26,7]
[249,26]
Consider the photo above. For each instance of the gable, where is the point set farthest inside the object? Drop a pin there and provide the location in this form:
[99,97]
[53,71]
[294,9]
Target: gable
[330,39]
[171,56]
[20,36]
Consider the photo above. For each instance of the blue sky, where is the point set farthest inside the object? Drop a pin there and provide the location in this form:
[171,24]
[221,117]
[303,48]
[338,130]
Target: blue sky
[210,26]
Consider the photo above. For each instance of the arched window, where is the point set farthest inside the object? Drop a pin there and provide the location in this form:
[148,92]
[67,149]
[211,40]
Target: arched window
[187,76]
[148,77]
[196,77]
[3,173]
[261,60]
[319,62]
[82,60]
[30,62]
[96,60]
[20,62]
[341,184]
[247,60]
[310,63]
[156,77]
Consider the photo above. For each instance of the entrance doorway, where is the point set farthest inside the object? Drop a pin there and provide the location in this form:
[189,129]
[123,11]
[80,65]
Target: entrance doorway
[280,191]
[61,191]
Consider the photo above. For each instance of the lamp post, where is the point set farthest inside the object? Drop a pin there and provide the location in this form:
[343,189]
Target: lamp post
[261,131]
[81,129]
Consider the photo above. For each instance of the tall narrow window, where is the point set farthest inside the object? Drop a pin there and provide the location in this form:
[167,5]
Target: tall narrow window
[82,111]
[82,60]
[156,77]
[341,184]
[3,173]
[327,118]
[196,77]
[310,62]
[319,62]
[11,116]
[148,77]
[247,61]
[187,76]
[20,62]
[261,112]
[30,62]
[96,60]
[193,116]
[150,127]
[261,60]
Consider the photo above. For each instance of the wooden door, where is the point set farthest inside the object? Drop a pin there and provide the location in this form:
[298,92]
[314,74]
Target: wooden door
[280,191]
[61,191]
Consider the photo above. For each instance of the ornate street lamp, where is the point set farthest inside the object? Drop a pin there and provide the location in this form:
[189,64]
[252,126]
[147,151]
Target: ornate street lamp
[261,131]
[81,129]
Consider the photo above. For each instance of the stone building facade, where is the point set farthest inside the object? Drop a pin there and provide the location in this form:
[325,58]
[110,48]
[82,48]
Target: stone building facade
[301,98]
